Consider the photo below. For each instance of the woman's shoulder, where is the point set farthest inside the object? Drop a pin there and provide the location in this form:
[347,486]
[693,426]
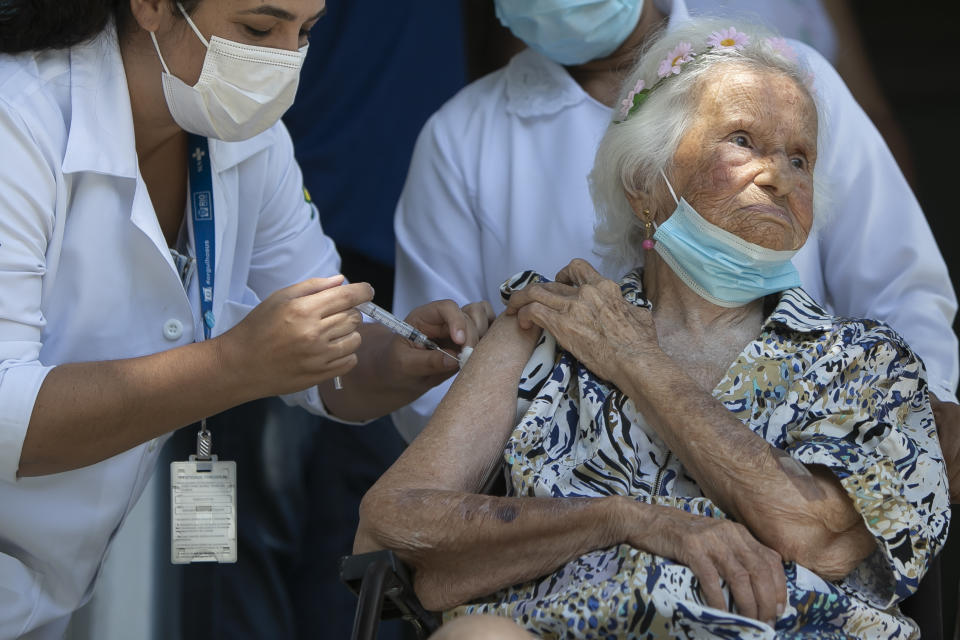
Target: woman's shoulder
[35,86]
[839,336]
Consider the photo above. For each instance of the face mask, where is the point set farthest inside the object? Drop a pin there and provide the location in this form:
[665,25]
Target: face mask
[242,91]
[721,267]
[570,31]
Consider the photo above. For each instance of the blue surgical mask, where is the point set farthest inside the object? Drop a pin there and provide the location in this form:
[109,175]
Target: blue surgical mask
[570,31]
[719,266]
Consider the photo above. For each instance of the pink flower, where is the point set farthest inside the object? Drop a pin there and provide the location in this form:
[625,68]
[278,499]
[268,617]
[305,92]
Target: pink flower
[627,103]
[672,63]
[782,47]
[728,39]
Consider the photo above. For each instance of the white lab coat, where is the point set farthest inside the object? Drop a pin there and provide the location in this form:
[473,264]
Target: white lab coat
[498,184]
[85,274]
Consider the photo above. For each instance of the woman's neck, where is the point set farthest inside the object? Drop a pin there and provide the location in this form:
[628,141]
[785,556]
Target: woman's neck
[601,78]
[679,309]
[153,126]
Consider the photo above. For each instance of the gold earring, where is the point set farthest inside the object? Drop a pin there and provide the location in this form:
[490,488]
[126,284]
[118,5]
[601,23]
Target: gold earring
[648,230]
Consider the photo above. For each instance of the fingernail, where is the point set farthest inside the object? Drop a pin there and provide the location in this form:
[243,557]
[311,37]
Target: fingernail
[779,609]
[459,336]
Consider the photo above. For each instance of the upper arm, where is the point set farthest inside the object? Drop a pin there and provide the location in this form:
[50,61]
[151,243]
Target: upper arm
[466,435]
[28,193]
[871,425]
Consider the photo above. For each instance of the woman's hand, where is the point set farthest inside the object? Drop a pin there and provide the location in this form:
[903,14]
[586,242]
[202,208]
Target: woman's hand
[716,549]
[298,336]
[588,316]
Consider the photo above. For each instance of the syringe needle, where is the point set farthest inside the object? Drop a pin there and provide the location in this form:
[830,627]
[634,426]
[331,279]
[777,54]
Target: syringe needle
[449,355]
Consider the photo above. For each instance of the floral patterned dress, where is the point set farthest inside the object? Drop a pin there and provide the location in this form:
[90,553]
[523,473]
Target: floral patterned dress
[846,394]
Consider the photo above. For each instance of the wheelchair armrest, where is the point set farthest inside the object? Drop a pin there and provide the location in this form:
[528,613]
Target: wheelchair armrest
[384,588]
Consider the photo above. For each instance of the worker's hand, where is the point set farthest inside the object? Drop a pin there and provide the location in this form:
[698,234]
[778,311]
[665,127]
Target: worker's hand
[482,315]
[451,327]
[297,337]
[947,417]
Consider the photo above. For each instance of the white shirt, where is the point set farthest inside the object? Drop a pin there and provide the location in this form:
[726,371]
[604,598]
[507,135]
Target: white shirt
[498,184]
[85,274]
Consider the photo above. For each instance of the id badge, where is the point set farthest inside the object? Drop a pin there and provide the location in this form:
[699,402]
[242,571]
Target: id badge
[203,511]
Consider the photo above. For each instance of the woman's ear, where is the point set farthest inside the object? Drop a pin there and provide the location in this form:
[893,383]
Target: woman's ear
[640,202]
[151,15]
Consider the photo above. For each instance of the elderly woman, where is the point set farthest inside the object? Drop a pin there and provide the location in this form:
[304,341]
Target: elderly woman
[700,451]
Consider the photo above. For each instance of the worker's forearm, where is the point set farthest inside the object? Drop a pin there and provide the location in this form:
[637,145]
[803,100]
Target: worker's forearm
[447,535]
[88,412]
[376,385]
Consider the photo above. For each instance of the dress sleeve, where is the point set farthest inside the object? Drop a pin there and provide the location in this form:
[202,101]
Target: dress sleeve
[28,191]
[438,251]
[879,258]
[870,422]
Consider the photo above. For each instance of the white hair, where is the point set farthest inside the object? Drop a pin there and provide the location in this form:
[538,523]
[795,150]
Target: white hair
[635,150]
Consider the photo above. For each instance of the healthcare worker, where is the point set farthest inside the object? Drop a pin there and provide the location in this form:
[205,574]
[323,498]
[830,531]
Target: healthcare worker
[114,328]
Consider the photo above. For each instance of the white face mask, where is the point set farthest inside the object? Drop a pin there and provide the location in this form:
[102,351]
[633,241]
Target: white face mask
[242,91]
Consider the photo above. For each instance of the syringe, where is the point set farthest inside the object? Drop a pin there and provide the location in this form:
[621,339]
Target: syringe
[401,328]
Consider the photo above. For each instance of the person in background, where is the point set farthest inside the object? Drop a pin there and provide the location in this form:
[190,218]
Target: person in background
[363,97]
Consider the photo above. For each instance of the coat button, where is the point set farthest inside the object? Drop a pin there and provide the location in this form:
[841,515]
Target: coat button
[172,329]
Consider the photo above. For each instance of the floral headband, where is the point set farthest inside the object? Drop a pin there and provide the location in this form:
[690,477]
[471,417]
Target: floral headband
[683,53]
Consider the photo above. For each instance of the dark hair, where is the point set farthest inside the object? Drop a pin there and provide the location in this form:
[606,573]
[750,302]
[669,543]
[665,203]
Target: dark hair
[56,24]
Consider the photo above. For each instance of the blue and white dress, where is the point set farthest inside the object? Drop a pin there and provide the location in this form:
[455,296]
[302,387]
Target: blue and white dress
[846,394]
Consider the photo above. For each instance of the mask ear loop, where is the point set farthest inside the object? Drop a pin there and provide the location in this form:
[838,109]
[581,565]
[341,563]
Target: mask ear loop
[156,46]
[669,186]
[153,36]
[193,26]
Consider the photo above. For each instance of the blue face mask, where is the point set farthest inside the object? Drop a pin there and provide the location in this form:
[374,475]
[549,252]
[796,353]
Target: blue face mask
[570,31]
[719,266]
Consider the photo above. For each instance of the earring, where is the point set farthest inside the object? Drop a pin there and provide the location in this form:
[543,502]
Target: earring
[648,230]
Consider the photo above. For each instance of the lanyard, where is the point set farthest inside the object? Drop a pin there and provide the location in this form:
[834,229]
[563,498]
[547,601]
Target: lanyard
[204,240]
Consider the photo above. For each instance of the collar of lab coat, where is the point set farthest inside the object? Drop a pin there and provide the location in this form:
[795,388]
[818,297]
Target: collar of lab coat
[537,86]
[101,137]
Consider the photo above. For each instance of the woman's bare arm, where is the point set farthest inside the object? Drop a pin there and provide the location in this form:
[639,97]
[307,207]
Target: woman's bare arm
[802,513]
[463,545]
[86,412]
[426,506]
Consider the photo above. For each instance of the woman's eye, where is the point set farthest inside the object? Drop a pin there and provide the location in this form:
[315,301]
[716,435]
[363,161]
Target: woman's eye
[798,163]
[257,33]
[741,141]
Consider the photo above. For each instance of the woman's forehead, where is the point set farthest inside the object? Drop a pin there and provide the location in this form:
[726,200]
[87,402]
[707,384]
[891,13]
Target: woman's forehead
[739,93]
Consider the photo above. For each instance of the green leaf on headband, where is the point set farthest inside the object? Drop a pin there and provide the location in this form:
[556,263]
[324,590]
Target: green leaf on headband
[638,99]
